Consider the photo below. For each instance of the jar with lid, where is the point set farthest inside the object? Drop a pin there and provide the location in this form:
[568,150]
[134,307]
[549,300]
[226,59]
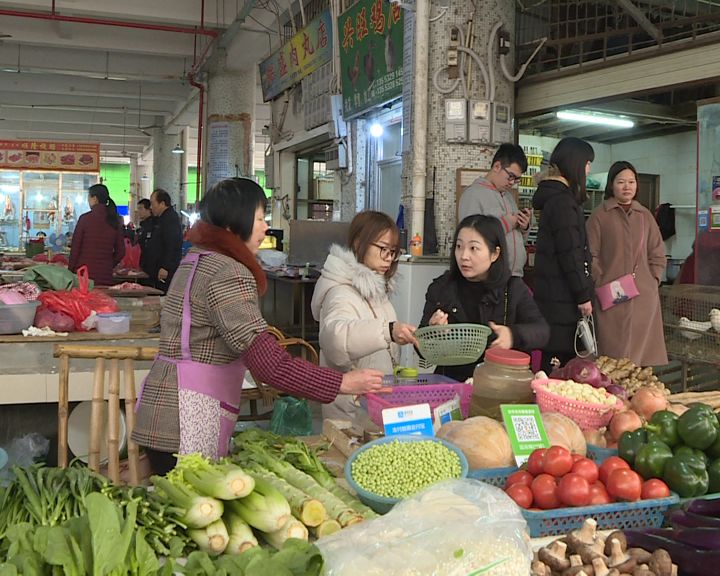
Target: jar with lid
[503,378]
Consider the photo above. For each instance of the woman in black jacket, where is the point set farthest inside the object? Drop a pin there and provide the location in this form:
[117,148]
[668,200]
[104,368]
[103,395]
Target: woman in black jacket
[563,285]
[478,289]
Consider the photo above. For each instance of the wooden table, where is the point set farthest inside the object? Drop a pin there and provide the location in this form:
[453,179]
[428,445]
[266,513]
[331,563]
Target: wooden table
[296,283]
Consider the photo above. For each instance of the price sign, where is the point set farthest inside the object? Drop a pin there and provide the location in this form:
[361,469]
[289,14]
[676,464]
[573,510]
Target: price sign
[403,420]
[525,429]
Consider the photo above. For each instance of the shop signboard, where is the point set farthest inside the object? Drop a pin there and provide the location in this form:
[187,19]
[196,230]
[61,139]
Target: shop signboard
[371,55]
[41,155]
[304,53]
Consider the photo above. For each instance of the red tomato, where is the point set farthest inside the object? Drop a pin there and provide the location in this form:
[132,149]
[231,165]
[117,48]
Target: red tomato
[587,469]
[624,484]
[558,461]
[612,463]
[522,495]
[598,494]
[544,489]
[654,488]
[576,457]
[535,462]
[574,490]
[520,477]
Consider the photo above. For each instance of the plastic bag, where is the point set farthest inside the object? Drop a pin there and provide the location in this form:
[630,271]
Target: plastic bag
[57,321]
[132,255]
[52,277]
[453,528]
[23,451]
[291,417]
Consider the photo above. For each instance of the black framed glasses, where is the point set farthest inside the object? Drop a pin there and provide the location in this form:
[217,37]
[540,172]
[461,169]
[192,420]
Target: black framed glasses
[512,177]
[387,253]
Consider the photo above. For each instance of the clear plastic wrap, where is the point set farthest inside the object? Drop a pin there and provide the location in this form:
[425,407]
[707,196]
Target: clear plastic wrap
[454,528]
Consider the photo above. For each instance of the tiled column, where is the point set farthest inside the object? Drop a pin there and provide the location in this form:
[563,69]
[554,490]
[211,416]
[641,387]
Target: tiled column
[167,167]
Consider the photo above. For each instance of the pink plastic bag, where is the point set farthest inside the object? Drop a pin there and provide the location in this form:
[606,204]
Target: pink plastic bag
[132,256]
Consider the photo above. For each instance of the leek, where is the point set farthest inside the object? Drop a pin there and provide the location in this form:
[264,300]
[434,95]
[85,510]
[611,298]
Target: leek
[293,528]
[328,527]
[265,508]
[198,511]
[241,535]
[223,481]
[212,539]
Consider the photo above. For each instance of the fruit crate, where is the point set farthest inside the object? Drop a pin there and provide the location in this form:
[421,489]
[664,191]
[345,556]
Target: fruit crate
[617,516]
[493,476]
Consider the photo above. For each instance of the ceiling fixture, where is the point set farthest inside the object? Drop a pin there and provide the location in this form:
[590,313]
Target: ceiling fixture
[376,130]
[178,149]
[595,118]
[145,177]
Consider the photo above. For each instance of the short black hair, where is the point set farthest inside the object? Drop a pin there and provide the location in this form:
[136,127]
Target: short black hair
[509,153]
[570,157]
[492,232]
[162,196]
[615,169]
[231,204]
[145,203]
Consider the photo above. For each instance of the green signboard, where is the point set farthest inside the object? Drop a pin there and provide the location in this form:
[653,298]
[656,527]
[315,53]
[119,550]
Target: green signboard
[304,53]
[371,55]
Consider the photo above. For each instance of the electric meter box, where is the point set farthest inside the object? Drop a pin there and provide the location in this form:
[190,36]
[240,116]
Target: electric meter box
[479,119]
[455,120]
[501,123]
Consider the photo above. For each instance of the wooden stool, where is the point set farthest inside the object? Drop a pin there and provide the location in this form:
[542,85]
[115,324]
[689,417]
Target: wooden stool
[128,354]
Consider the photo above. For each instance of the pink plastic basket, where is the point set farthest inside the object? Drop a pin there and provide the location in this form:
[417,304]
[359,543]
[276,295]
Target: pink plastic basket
[584,414]
[433,394]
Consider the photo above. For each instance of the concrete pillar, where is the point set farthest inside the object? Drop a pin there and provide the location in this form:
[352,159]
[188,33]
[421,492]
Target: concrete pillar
[167,167]
[229,131]
[135,191]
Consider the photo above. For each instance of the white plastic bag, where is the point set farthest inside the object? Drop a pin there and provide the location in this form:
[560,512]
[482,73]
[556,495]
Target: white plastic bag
[454,528]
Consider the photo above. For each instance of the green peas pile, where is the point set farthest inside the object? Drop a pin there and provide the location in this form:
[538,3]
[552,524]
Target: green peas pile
[398,469]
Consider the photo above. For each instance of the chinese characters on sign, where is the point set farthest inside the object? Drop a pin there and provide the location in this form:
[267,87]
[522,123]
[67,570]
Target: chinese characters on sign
[36,155]
[371,55]
[304,53]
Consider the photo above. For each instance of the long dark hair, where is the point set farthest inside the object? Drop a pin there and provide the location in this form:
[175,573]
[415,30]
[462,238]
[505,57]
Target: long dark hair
[493,234]
[102,194]
[615,169]
[570,158]
[366,228]
[232,204]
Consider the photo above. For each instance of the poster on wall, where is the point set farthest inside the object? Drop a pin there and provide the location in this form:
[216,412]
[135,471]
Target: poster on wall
[304,53]
[41,155]
[218,158]
[371,55]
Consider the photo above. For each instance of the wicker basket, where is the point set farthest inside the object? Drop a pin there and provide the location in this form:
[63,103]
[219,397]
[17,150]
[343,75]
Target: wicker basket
[584,414]
[452,344]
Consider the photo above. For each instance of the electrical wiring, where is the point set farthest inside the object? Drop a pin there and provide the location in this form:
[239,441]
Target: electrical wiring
[461,65]
[490,44]
[516,77]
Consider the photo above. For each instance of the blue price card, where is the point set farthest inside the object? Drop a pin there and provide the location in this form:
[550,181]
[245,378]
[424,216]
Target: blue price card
[404,420]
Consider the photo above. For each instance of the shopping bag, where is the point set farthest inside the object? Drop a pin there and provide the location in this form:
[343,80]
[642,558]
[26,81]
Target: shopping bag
[131,259]
[291,417]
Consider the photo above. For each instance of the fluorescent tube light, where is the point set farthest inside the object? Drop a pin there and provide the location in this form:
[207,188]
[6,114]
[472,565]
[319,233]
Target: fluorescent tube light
[178,149]
[592,118]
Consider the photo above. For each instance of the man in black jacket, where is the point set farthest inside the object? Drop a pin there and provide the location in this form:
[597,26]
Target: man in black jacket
[146,224]
[164,248]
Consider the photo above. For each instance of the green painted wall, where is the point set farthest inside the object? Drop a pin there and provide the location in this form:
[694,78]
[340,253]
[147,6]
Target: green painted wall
[117,178]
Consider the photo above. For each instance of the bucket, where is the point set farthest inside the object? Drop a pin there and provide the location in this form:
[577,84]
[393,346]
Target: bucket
[79,432]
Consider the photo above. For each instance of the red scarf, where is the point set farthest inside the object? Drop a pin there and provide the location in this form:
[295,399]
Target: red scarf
[216,239]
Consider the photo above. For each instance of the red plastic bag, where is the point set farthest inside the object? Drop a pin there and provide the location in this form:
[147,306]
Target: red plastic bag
[78,303]
[57,321]
[132,256]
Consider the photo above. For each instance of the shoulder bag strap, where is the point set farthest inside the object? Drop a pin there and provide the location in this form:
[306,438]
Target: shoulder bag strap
[642,246]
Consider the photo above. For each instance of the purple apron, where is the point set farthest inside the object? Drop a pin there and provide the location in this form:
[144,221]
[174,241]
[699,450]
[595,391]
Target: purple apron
[208,394]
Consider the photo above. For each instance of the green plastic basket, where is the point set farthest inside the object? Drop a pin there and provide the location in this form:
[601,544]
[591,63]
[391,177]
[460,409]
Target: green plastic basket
[452,344]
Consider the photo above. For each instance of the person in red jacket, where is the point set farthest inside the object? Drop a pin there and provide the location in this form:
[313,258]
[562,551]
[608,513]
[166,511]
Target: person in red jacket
[98,241]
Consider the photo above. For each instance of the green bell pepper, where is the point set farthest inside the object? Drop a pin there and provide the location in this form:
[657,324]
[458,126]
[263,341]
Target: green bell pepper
[663,427]
[687,451]
[651,458]
[714,450]
[714,475]
[630,443]
[686,475]
[698,427]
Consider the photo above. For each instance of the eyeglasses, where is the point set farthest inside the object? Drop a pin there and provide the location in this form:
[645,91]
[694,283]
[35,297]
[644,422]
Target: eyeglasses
[387,253]
[512,177]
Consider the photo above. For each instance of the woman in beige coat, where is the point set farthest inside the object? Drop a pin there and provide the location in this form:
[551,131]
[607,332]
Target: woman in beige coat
[624,239]
[358,324]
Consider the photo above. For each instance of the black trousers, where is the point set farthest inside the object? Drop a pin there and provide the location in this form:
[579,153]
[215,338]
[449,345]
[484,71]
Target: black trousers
[160,462]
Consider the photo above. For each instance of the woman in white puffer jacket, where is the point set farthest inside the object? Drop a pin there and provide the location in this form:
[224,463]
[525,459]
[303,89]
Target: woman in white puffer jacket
[358,324]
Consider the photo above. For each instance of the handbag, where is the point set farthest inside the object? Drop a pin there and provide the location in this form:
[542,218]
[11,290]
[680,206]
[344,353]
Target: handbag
[623,288]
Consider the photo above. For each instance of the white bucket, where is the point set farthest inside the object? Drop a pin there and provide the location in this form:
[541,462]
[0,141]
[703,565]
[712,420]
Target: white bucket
[79,432]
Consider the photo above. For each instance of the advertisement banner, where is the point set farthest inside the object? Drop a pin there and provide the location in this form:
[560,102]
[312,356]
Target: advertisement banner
[371,55]
[37,155]
[304,53]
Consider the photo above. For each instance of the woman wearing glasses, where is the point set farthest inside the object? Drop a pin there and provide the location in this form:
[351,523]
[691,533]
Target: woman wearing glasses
[480,289]
[358,324]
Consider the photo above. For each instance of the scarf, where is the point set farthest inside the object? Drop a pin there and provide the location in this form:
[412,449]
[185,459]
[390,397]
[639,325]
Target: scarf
[210,237]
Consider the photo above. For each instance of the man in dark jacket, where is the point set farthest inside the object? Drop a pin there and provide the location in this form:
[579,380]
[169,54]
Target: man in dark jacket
[144,231]
[162,253]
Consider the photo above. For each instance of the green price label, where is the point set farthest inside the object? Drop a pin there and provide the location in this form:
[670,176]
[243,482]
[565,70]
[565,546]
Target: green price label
[525,429]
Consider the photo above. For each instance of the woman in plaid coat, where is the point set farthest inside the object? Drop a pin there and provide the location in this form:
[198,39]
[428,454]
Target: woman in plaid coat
[212,331]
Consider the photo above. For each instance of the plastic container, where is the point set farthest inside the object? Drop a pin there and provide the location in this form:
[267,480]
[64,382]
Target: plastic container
[452,344]
[585,414]
[433,394]
[503,378]
[383,504]
[416,247]
[114,323]
[14,318]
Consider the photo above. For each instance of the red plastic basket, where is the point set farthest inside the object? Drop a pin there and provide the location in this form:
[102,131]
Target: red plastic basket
[433,394]
[584,414]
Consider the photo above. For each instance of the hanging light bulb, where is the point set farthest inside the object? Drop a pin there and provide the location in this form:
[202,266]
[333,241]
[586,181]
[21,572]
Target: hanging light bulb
[145,177]
[178,149]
